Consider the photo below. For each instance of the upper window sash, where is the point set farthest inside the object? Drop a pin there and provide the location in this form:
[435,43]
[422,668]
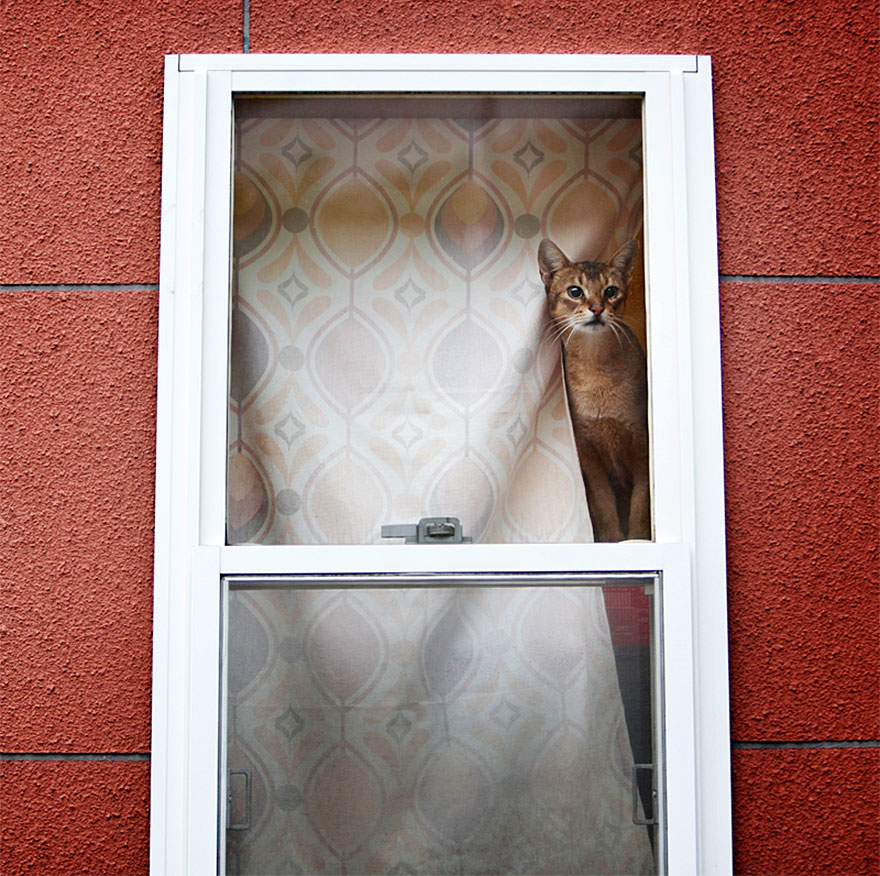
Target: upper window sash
[203,186]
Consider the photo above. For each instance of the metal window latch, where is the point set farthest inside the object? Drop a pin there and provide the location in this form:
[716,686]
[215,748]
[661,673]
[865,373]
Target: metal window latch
[429,530]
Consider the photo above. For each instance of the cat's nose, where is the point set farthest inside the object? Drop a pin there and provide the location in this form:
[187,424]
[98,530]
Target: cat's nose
[596,308]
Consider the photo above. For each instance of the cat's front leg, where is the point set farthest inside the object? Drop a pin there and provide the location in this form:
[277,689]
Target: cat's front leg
[600,496]
[640,501]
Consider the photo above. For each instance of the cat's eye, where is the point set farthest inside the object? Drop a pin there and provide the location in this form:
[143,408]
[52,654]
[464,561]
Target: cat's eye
[575,291]
[611,292]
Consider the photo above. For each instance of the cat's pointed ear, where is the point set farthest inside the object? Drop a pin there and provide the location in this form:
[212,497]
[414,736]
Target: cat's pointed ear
[623,259]
[550,259]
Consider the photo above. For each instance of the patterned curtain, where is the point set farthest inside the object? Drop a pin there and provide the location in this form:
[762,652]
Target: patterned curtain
[390,351]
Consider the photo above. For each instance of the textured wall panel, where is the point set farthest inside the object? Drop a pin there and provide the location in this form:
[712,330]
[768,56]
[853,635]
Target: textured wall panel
[62,817]
[77,402]
[806,812]
[796,163]
[797,160]
[801,410]
[81,93]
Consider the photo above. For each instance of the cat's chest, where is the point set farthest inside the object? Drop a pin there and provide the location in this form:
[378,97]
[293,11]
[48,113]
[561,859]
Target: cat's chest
[595,398]
[604,391]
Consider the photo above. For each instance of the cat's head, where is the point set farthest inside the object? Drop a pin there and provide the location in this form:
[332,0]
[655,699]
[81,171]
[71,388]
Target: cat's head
[585,295]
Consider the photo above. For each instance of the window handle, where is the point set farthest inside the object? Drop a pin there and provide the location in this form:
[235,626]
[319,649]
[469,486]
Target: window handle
[429,530]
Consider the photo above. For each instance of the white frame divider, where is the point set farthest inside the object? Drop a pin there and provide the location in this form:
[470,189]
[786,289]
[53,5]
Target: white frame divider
[187,791]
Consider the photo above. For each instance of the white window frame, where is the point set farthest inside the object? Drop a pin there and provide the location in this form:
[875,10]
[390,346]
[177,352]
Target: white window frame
[191,557]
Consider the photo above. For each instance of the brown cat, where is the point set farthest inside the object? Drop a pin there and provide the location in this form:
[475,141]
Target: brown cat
[606,377]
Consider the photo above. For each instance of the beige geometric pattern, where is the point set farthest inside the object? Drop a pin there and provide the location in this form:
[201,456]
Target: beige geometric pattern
[390,353]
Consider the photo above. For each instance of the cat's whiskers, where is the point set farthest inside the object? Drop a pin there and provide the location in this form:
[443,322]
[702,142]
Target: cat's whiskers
[553,333]
[617,324]
[551,338]
[548,331]
[626,320]
[556,330]
[563,328]
[616,330]
[553,326]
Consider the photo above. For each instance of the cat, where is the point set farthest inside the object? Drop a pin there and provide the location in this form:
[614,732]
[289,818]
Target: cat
[606,379]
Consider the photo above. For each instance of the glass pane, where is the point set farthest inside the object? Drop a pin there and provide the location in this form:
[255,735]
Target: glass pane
[392,357]
[439,729]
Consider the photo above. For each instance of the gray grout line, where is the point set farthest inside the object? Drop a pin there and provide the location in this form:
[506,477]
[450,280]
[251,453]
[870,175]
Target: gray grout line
[80,756]
[79,287]
[246,26]
[765,278]
[853,743]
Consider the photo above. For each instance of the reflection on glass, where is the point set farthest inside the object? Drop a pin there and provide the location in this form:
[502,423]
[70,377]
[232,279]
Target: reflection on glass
[391,357]
[437,730]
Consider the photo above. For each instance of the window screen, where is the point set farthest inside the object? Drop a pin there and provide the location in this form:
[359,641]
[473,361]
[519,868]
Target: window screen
[456,726]
[391,357]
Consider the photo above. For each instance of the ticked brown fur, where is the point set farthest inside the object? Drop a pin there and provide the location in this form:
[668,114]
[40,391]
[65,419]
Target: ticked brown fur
[606,378]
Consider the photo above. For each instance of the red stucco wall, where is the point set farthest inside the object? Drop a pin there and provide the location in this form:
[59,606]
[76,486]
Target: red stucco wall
[796,103]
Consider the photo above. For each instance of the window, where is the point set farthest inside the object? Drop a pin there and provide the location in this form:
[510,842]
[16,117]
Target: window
[351,324]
